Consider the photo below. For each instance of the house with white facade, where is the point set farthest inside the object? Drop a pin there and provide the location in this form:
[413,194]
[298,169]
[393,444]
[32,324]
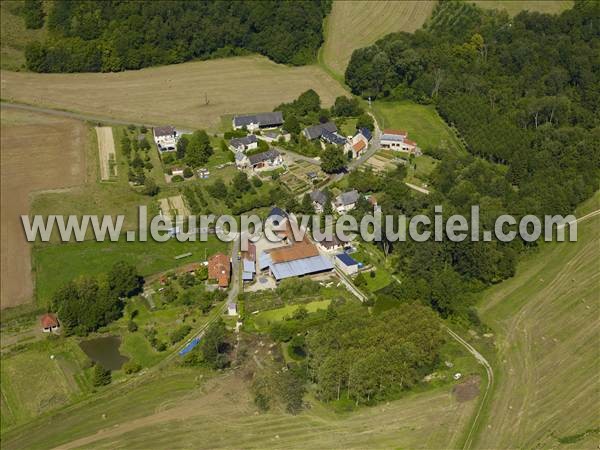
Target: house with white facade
[319,199]
[398,140]
[269,160]
[165,138]
[346,201]
[358,143]
[243,144]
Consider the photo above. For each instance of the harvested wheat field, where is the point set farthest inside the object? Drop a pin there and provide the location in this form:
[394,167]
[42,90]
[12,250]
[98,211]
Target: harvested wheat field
[357,24]
[106,151]
[38,153]
[193,95]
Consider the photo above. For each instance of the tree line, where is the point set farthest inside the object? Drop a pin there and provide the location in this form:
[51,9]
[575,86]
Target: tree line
[94,36]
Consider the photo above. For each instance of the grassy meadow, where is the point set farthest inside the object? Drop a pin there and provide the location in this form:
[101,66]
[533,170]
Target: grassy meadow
[357,24]
[546,325]
[423,124]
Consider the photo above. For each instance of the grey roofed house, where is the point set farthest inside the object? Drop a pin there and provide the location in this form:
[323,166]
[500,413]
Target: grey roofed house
[164,131]
[316,131]
[264,156]
[347,198]
[318,197]
[366,133]
[263,120]
[243,141]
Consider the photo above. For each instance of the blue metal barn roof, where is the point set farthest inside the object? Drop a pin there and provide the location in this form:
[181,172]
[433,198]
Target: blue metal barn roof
[346,259]
[300,267]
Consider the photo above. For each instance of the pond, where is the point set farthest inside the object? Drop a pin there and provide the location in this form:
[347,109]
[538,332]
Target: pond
[104,351]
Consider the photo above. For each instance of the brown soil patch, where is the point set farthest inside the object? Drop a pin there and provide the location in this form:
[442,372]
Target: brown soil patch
[37,153]
[467,390]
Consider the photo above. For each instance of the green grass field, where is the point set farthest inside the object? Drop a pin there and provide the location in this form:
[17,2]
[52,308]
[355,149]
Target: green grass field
[56,264]
[546,325]
[514,7]
[263,319]
[423,124]
[357,24]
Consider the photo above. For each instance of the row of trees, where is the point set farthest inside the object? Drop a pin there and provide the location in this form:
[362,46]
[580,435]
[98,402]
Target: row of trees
[117,35]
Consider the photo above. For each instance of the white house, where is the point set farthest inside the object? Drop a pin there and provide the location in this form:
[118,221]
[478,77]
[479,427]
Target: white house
[398,140]
[253,122]
[231,309]
[49,323]
[243,144]
[271,159]
[346,201]
[357,144]
[165,138]
[346,263]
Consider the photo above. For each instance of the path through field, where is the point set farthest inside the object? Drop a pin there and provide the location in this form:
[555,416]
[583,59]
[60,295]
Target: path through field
[547,323]
[106,151]
[38,153]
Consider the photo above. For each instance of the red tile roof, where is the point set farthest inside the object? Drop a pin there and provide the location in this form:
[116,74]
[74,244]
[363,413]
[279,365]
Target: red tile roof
[299,250]
[48,320]
[359,145]
[219,269]
[409,142]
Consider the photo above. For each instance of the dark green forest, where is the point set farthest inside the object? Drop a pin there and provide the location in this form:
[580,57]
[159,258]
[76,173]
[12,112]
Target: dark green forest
[524,95]
[108,36]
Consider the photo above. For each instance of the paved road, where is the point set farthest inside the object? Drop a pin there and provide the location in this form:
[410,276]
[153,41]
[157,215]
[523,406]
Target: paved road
[490,382]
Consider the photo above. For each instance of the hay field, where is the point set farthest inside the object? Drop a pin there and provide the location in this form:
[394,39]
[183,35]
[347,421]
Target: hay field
[173,94]
[38,153]
[546,321]
[357,24]
[179,410]
[106,151]
[514,7]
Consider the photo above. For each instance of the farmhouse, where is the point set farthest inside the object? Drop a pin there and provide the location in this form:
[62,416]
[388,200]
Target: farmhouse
[266,160]
[346,263]
[398,140]
[346,201]
[316,131]
[359,142]
[242,144]
[49,323]
[219,269]
[253,122]
[296,260]
[331,245]
[274,136]
[165,138]
[319,199]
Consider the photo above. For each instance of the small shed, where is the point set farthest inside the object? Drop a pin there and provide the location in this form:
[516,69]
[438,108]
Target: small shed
[346,263]
[49,323]
[231,309]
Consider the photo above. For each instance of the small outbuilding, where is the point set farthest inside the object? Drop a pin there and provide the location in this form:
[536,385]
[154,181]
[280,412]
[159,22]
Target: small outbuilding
[49,323]
[346,263]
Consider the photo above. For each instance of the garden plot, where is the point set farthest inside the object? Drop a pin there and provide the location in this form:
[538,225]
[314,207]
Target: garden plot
[106,150]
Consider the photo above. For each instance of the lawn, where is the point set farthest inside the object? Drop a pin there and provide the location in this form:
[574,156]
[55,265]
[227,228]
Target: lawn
[263,319]
[55,264]
[546,324]
[422,123]
[174,94]
[357,24]
[382,278]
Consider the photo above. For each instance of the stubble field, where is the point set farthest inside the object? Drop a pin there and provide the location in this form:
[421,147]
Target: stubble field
[192,95]
[38,153]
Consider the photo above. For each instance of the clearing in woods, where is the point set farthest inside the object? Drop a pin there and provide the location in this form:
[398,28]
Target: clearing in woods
[39,152]
[106,150]
[546,322]
[357,24]
[193,95]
